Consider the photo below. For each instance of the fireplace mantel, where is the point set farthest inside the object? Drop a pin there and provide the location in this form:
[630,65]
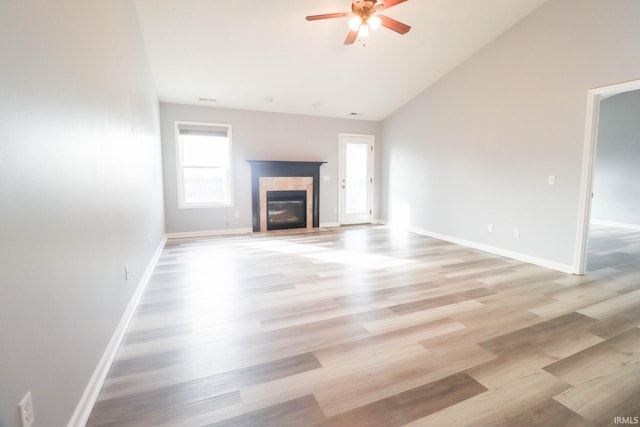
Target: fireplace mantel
[278,168]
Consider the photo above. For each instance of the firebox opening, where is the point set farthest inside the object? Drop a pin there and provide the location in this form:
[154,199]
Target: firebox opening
[286,209]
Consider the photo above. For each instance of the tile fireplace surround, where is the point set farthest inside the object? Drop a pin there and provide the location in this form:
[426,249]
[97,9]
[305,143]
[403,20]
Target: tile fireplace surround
[267,175]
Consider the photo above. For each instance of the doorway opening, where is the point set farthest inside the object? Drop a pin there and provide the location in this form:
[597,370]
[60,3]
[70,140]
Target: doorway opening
[594,97]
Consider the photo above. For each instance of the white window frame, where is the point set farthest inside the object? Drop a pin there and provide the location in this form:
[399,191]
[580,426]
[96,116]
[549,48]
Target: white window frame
[182,204]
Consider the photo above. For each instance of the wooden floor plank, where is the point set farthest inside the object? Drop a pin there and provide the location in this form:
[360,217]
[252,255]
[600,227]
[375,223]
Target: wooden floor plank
[295,413]
[425,304]
[498,406]
[550,334]
[605,378]
[410,405]
[548,413]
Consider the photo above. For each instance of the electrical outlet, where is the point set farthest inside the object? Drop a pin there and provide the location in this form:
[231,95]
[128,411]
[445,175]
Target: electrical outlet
[237,214]
[516,232]
[26,410]
[127,273]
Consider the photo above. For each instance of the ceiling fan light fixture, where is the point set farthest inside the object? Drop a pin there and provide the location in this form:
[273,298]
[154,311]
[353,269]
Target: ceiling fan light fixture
[364,31]
[355,23]
[374,22]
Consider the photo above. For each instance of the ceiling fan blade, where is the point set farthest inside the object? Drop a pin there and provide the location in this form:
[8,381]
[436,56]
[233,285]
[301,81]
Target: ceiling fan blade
[326,16]
[351,37]
[386,4]
[394,25]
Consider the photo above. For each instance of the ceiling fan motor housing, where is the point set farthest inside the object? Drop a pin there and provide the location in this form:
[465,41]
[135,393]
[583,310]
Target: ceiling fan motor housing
[365,8]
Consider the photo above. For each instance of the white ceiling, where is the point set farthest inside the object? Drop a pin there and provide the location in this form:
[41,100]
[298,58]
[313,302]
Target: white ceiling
[240,52]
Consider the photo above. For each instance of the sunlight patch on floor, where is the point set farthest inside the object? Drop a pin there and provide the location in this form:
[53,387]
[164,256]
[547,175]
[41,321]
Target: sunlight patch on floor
[323,254]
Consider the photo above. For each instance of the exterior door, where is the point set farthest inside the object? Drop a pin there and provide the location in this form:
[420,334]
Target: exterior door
[355,178]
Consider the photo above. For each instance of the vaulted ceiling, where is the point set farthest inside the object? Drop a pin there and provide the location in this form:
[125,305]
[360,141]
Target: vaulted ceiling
[264,55]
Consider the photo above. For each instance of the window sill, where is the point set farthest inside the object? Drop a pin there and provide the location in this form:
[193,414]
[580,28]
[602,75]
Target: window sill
[206,206]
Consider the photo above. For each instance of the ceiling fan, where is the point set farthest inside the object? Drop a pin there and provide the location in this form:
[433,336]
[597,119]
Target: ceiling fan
[365,17]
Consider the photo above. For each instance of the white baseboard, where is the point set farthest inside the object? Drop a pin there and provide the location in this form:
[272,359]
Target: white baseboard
[615,224]
[337,224]
[565,268]
[87,401]
[329,224]
[208,233]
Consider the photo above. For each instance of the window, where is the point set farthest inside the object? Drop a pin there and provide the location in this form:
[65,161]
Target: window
[204,165]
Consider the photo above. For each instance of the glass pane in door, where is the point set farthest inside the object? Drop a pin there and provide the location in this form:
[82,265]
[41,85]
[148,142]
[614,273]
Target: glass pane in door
[356,178]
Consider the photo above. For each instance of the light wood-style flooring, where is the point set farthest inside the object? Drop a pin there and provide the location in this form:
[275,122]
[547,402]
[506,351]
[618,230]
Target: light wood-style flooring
[365,326]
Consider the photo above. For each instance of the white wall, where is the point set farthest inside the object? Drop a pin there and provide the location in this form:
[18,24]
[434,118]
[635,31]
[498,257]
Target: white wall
[255,136]
[616,180]
[478,146]
[80,191]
